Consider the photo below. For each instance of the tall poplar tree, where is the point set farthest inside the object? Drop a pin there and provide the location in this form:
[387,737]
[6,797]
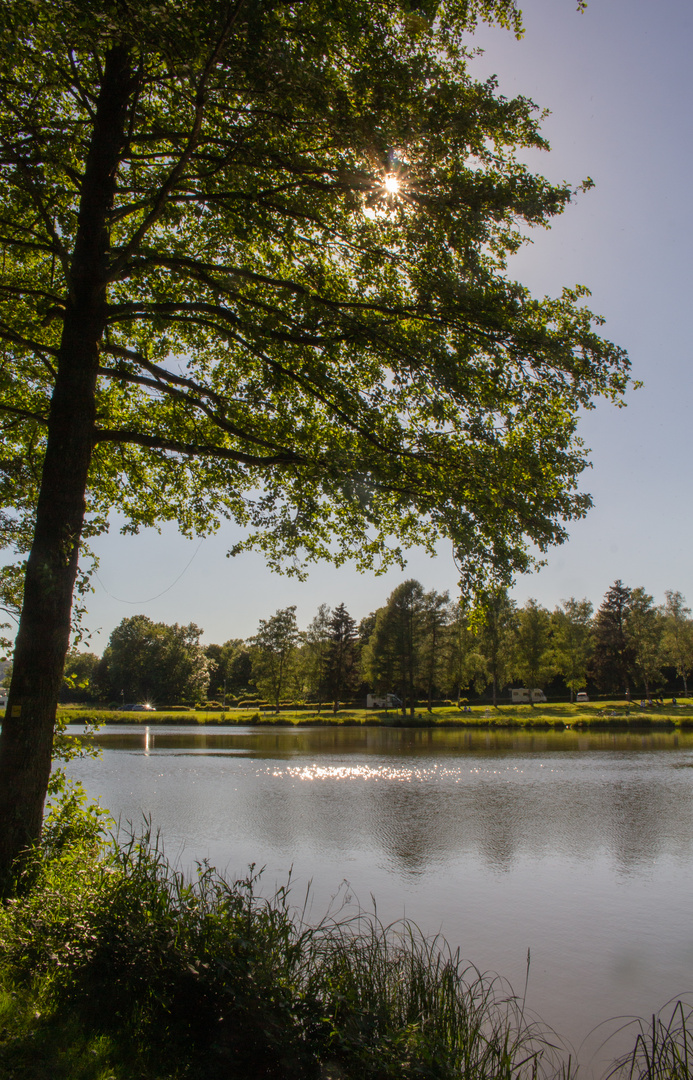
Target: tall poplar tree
[532,654]
[644,631]
[571,623]
[677,638]
[495,633]
[253,267]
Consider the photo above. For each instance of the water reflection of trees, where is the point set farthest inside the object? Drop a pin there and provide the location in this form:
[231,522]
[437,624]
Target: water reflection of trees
[640,821]
[423,798]
[496,819]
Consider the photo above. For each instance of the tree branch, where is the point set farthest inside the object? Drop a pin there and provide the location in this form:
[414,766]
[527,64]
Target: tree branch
[215,418]
[49,225]
[152,442]
[187,312]
[7,334]
[24,413]
[177,170]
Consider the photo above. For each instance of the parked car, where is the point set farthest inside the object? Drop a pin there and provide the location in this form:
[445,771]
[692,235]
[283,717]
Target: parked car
[142,706]
[582,696]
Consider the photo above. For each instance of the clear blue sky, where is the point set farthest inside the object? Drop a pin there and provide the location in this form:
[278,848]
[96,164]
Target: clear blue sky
[618,82]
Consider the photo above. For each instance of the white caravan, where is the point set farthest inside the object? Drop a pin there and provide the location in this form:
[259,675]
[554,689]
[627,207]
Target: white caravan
[520,696]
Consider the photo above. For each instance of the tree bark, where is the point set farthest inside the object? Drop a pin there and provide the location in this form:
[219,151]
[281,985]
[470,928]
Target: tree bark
[26,741]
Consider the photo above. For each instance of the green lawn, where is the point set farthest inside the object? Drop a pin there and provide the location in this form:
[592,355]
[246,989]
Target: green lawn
[556,715]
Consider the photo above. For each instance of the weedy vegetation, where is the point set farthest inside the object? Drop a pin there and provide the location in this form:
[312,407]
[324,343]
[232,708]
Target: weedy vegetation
[114,965]
[663,1048]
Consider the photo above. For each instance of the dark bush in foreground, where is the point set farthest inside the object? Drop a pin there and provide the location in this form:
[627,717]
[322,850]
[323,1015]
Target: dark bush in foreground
[205,978]
[114,966]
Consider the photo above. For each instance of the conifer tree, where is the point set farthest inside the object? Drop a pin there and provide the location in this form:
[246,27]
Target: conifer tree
[613,653]
[341,659]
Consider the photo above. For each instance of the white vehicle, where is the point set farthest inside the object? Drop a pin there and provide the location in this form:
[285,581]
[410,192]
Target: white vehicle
[582,696]
[520,696]
[382,701]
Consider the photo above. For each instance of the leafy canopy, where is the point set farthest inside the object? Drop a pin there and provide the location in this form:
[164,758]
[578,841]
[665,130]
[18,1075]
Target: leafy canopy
[308,324]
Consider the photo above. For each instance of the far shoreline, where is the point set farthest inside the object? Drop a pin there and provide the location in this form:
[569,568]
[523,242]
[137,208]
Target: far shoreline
[607,715]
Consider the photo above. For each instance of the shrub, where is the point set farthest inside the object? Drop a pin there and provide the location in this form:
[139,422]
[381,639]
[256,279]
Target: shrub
[205,978]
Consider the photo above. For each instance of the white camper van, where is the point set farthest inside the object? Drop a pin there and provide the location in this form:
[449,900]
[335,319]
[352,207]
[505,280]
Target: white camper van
[382,701]
[520,696]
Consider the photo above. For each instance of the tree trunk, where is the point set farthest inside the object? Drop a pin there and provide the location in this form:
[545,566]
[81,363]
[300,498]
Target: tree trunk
[43,637]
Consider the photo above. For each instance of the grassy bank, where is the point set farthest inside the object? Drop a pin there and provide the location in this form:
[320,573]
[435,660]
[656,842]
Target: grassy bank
[113,966]
[560,715]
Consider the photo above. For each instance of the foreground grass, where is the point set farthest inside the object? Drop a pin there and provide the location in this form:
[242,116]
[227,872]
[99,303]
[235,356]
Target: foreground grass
[113,966]
[590,715]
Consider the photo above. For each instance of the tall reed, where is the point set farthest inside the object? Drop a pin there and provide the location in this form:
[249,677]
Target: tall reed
[199,976]
[663,1048]
[149,973]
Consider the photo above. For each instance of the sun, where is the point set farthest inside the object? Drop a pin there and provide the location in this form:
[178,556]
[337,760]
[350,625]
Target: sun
[385,194]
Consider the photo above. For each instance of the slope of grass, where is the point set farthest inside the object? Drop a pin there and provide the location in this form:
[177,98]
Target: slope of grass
[558,715]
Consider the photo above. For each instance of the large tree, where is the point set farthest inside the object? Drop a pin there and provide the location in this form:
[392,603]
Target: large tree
[463,664]
[341,658]
[496,626]
[533,659]
[613,658]
[644,631]
[316,644]
[436,616]
[273,652]
[253,261]
[154,661]
[677,638]
[79,676]
[231,670]
[571,624]
[393,657]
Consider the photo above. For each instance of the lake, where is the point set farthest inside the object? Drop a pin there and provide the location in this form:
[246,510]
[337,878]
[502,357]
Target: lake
[574,847]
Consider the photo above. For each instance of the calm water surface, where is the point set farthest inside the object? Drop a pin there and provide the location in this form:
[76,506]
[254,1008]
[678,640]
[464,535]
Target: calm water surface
[576,847]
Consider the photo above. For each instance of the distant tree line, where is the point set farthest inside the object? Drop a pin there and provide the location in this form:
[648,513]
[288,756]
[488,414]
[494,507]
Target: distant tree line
[421,646]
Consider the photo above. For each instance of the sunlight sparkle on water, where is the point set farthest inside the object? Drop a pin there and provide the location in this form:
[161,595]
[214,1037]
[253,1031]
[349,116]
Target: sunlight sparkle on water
[398,773]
